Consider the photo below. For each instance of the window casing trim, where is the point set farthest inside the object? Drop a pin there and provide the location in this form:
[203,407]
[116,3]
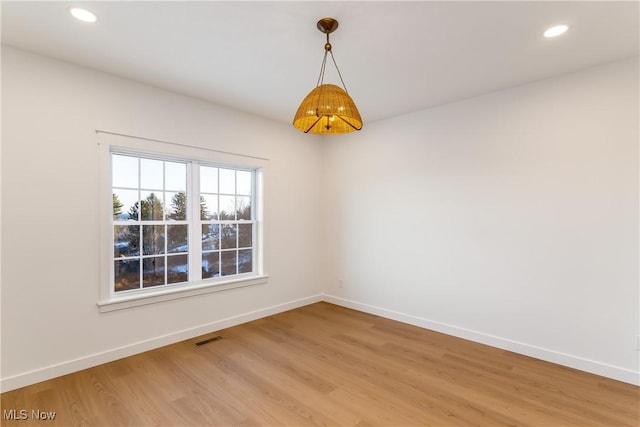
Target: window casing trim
[110,143]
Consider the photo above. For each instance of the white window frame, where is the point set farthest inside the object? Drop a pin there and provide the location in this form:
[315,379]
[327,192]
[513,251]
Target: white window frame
[110,143]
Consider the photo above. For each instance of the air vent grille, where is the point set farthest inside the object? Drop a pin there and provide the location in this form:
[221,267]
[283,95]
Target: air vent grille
[208,340]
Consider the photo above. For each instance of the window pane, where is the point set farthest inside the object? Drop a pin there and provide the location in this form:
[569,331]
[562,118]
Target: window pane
[245,237]
[243,182]
[152,239]
[125,205]
[245,261]
[243,207]
[210,237]
[227,181]
[177,269]
[177,238]
[124,171]
[229,263]
[228,237]
[210,265]
[127,275]
[151,206]
[175,176]
[152,271]
[208,179]
[227,207]
[177,206]
[208,207]
[151,174]
[126,240]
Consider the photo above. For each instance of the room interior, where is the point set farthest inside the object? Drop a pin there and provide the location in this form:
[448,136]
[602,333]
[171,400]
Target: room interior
[491,195]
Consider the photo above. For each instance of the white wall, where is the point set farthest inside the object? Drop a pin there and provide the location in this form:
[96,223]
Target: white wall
[510,219]
[50,216]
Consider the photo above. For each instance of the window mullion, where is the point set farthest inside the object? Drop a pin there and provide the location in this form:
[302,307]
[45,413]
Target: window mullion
[195,223]
[165,229]
[237,223]
[140,228]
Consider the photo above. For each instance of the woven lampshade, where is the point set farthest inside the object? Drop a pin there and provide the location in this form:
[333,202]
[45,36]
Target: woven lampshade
[329,110]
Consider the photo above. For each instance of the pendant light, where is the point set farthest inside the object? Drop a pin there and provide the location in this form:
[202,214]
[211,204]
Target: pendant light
[328,109]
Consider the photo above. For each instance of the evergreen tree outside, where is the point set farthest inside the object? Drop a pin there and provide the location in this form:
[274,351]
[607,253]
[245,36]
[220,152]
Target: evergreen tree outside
[117,206]
[147,209]
[179,207]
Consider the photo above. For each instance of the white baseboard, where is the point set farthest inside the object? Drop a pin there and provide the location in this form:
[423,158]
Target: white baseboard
[67,367]
[571,361]
[56,370]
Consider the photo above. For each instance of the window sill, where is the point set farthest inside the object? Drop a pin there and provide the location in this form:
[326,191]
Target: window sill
[128,301]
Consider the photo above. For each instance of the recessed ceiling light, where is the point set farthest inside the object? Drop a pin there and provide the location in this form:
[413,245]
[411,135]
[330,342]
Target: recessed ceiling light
[556,31]
[83,14]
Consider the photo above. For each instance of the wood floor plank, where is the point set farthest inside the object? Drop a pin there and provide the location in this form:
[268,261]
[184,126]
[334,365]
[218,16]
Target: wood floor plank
[325,365]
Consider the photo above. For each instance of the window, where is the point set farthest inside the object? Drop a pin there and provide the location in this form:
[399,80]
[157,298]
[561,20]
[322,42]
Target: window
[179,224]
[227,222]
[150,222]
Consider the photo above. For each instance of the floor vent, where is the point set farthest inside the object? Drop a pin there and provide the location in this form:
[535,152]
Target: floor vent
[207,341]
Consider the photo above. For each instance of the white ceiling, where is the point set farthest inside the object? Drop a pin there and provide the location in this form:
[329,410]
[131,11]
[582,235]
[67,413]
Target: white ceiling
[264,57]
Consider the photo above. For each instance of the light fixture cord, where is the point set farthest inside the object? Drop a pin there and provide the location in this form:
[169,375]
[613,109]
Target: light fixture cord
[327,49]
[339,74]
[322,68]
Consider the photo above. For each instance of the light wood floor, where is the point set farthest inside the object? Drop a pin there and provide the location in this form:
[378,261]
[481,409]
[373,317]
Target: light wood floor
[329,366]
